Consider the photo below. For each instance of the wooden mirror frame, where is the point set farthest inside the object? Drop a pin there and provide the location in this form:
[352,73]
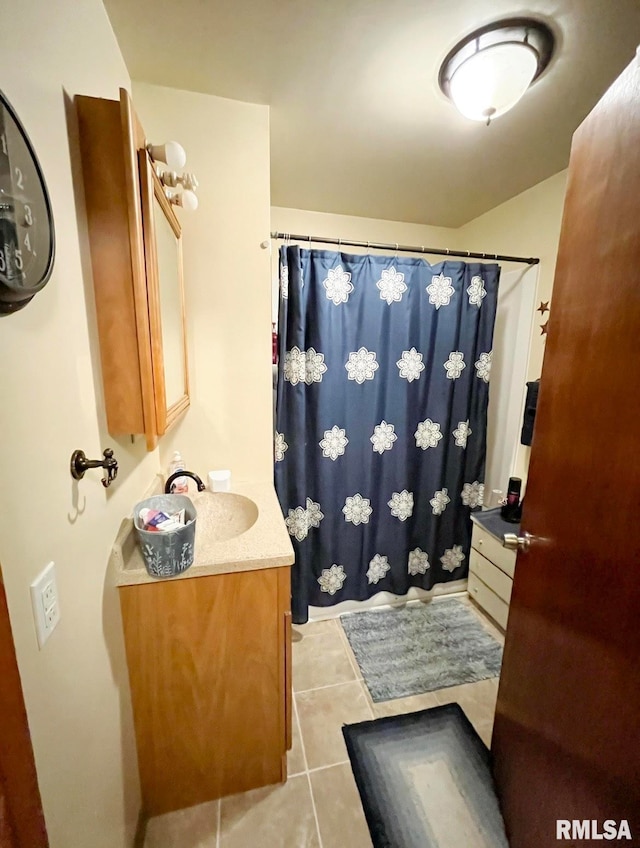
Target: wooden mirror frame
[152,189]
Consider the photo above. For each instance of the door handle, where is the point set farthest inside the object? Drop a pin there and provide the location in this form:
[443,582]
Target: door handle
[517,543]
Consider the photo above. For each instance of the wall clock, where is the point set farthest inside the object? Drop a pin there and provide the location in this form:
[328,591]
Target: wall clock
[27,240]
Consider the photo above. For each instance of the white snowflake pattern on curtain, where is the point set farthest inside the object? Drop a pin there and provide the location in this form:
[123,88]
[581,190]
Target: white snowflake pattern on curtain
[418,562]
[410,365]
[378,567]
[439,501]
[334,442]
[452,558]
[401,504]
[462,433]
[440,290]
[455,365]
[476,292]
[297,522]
[383,437]
[332,579]
[357,509]
[473,494]
[284,282]
[361,365]
[280,446]
[338,285]
[314,513]
[428,434]
[303,366]
[391,285]
[483,366]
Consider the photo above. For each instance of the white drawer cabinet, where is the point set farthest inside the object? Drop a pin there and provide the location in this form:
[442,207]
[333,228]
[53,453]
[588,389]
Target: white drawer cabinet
[491,569]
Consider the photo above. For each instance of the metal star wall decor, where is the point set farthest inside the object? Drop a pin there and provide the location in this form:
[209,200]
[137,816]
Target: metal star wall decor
[544,307]
[544,328]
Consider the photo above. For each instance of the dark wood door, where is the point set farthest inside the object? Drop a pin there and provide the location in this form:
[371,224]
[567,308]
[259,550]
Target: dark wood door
[567,730]
[21,819]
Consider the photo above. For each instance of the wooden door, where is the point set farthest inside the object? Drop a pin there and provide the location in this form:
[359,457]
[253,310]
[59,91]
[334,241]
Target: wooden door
[21,819]
[567,730]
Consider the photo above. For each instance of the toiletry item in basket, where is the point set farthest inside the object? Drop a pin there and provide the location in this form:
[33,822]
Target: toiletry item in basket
[155,520]
[180,485]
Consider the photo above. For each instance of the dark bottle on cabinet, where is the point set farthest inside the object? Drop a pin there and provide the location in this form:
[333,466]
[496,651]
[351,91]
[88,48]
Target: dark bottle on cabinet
[511,511]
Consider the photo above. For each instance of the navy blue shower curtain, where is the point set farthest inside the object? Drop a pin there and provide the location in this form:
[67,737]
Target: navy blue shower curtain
[383,385]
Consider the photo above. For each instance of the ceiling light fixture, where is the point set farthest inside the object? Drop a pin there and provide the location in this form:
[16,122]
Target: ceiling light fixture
[488,72]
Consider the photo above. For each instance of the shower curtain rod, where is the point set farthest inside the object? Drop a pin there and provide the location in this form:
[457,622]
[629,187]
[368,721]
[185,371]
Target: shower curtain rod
[404,248]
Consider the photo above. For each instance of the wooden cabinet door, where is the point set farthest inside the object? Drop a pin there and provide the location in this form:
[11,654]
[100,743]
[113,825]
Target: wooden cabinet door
[566,741]
[206,666]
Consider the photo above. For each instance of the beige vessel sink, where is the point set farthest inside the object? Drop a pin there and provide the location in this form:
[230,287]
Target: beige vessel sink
[223,515]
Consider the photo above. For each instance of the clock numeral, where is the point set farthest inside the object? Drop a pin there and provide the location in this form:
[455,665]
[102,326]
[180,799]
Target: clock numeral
[28,215]
[27,242]
[3,144]
[3,261]
[19,262]
[19,177]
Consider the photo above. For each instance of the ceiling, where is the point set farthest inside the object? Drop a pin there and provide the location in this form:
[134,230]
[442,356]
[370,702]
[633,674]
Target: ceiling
[358,123]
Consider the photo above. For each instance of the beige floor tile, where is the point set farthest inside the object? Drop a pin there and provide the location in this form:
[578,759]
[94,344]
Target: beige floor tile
[484,730]
[412,704]
[322,712]
[478,700]
[316,628]
[195,827]
[320,661]
[350,654]
[273,817]
[295,756]
[340,816]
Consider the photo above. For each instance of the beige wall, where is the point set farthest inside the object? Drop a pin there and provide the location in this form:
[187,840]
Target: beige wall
[226,278]
[75,688]
[526,225]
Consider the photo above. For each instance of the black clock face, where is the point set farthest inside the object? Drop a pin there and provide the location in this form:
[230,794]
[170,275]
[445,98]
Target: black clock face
[26,224]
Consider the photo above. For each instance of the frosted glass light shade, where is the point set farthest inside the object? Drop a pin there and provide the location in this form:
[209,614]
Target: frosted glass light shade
[491,81]
[170,152]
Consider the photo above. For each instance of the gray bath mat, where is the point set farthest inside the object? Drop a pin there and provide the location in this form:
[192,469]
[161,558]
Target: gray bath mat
[419,649]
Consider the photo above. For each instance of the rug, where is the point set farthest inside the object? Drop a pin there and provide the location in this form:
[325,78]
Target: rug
[425,781]
[419,649]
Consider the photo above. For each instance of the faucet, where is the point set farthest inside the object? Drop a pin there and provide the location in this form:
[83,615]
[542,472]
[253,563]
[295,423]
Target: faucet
[176,474]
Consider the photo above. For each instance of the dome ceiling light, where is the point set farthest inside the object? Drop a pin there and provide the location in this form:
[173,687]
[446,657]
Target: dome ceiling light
[489,71]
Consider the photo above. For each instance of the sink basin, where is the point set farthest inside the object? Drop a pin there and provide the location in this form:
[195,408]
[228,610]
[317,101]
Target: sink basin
[223,515]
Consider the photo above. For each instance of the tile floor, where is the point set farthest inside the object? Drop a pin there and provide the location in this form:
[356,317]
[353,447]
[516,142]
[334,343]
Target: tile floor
[319,805]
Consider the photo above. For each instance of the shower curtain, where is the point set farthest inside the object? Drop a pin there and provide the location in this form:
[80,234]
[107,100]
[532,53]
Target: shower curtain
[383,384]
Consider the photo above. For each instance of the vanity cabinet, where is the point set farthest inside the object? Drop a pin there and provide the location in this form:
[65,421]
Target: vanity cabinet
[209,663]
[491,570]
[136,257]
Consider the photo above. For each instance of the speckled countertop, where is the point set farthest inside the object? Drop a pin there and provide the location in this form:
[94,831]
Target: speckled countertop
[265,544]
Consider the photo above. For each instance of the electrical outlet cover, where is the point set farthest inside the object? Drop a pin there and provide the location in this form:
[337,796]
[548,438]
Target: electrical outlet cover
[44,600]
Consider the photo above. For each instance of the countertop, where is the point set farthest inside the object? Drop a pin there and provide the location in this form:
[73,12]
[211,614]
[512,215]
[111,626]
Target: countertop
[491,521]
[264,545]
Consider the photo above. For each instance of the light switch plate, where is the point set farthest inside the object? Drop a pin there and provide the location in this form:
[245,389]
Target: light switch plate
[44,600]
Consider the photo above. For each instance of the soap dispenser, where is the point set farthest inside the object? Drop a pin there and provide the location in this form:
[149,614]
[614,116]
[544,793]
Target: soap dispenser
[180,485]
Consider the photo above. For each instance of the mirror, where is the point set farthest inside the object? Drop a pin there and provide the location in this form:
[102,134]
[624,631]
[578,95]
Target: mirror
[165,292]
[169,258]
